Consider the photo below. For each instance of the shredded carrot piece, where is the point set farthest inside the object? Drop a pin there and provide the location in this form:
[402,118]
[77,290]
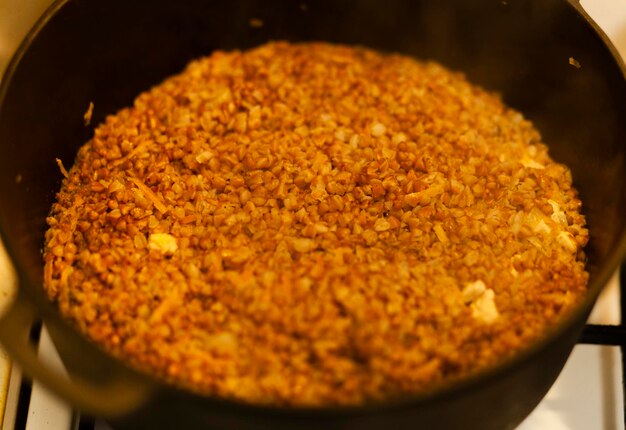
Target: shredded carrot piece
[77,204]
[62,168]
[189,219]
[88,114]
[132,153]
[150,195]
[440,233]
[65,275]
[47,273]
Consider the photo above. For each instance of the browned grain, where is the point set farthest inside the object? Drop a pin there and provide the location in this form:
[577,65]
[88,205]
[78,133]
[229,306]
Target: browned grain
[315,224]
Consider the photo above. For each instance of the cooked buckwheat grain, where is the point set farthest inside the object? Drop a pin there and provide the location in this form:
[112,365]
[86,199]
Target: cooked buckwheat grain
[315,224]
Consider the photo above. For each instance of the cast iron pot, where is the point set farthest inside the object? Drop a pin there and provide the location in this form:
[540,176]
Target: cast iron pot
[545,57]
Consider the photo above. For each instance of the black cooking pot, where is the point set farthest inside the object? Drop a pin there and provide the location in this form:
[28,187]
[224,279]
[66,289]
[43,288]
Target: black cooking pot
[545,57]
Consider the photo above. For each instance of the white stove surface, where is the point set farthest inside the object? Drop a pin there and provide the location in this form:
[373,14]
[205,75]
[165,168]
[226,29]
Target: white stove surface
[589,391]
[587,395]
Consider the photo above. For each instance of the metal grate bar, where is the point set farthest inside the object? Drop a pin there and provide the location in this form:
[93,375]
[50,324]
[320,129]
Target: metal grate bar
[614,335]
[622,302]
[593,334]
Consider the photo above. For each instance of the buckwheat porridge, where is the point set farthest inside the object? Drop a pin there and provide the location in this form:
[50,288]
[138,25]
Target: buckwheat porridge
[315,224]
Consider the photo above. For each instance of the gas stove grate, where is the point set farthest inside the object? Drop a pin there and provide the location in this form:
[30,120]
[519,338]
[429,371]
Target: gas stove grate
[614,335]
[593,334]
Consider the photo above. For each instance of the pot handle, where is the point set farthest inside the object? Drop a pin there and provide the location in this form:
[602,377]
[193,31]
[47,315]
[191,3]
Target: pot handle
[100,394]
